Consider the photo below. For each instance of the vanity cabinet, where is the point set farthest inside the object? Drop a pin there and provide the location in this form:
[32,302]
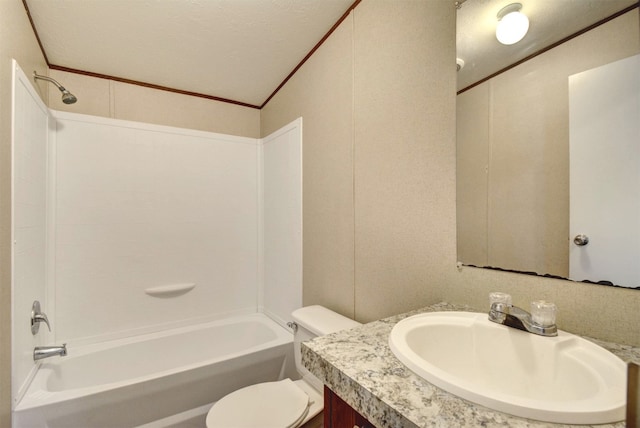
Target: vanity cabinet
[338,414]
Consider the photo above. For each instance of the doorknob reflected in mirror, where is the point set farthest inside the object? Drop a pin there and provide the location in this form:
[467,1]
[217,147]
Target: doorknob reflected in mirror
[581,240]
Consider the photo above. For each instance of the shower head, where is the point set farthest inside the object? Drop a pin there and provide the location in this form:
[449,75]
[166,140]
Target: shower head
[67,97]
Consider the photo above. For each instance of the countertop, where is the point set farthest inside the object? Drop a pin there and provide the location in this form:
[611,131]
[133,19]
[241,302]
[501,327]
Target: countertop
[358,365]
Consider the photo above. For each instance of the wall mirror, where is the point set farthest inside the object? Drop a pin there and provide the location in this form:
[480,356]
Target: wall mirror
[522,117]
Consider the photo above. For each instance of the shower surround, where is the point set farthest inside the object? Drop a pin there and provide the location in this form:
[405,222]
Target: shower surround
[140,207]
[156,226]
[150,228]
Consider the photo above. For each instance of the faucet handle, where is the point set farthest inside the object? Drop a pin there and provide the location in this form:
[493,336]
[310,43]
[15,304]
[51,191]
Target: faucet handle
[499,297]
[543,313]
[37,316]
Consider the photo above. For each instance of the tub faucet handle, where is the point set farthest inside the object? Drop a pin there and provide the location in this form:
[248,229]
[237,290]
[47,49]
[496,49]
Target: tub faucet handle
[37,316]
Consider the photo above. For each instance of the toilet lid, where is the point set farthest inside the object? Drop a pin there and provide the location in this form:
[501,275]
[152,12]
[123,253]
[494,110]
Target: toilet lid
[264,405]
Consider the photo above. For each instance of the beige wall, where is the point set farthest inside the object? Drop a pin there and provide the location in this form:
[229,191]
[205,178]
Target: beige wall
[322,93]
[108,98]
[513,154]
[382,129]
[404,153]
[16,41]
[378,153]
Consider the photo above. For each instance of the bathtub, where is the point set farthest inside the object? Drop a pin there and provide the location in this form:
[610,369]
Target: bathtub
[149,379]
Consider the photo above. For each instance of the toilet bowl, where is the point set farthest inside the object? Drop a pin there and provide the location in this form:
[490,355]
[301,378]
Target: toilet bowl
[285,403]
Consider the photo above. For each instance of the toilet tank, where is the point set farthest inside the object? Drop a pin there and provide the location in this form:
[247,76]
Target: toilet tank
[315,321]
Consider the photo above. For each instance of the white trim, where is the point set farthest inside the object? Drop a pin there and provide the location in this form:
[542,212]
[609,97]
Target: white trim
[260,228]
[294,130]
[51,226]
[77,117]
[18,76]
[287,128]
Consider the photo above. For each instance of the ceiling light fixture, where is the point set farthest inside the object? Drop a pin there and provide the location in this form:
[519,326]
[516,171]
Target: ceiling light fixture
[512,24]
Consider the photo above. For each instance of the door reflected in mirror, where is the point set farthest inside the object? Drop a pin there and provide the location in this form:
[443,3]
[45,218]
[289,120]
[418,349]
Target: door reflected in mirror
[514,181]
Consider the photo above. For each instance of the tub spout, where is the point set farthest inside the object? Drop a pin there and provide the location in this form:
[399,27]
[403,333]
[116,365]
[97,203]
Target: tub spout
[41,352]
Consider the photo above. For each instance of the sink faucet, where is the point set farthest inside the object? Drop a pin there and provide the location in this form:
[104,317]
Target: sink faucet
[541,322]
[41,352]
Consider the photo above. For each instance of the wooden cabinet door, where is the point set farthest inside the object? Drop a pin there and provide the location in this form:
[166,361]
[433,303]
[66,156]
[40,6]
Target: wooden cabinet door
[338,414]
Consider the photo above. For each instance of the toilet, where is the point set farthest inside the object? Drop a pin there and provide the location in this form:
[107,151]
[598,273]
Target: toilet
[286,403]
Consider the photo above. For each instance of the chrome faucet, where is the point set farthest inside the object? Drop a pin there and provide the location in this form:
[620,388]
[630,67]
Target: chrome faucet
[37,316]
[41,352]
[542,322]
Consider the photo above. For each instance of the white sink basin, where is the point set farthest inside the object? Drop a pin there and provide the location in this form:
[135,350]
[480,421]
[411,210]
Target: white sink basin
[563,379]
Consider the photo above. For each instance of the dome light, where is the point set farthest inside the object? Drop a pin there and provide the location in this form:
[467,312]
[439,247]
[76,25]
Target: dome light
[512,24]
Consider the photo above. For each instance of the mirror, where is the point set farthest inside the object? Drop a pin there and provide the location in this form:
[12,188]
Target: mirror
[513,132]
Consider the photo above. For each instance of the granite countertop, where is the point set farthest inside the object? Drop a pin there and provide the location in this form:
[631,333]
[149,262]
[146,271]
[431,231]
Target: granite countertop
[358,365]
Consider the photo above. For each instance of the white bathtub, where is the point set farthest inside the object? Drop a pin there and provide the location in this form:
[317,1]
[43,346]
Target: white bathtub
[136,381]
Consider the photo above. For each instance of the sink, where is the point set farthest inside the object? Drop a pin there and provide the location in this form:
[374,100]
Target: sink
[562,379]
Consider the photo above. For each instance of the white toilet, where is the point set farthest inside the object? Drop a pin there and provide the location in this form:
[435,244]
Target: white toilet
[285,403]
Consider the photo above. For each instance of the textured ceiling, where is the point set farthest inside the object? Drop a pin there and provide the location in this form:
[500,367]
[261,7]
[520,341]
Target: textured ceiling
[242,50]
[234,49]
[549,22]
